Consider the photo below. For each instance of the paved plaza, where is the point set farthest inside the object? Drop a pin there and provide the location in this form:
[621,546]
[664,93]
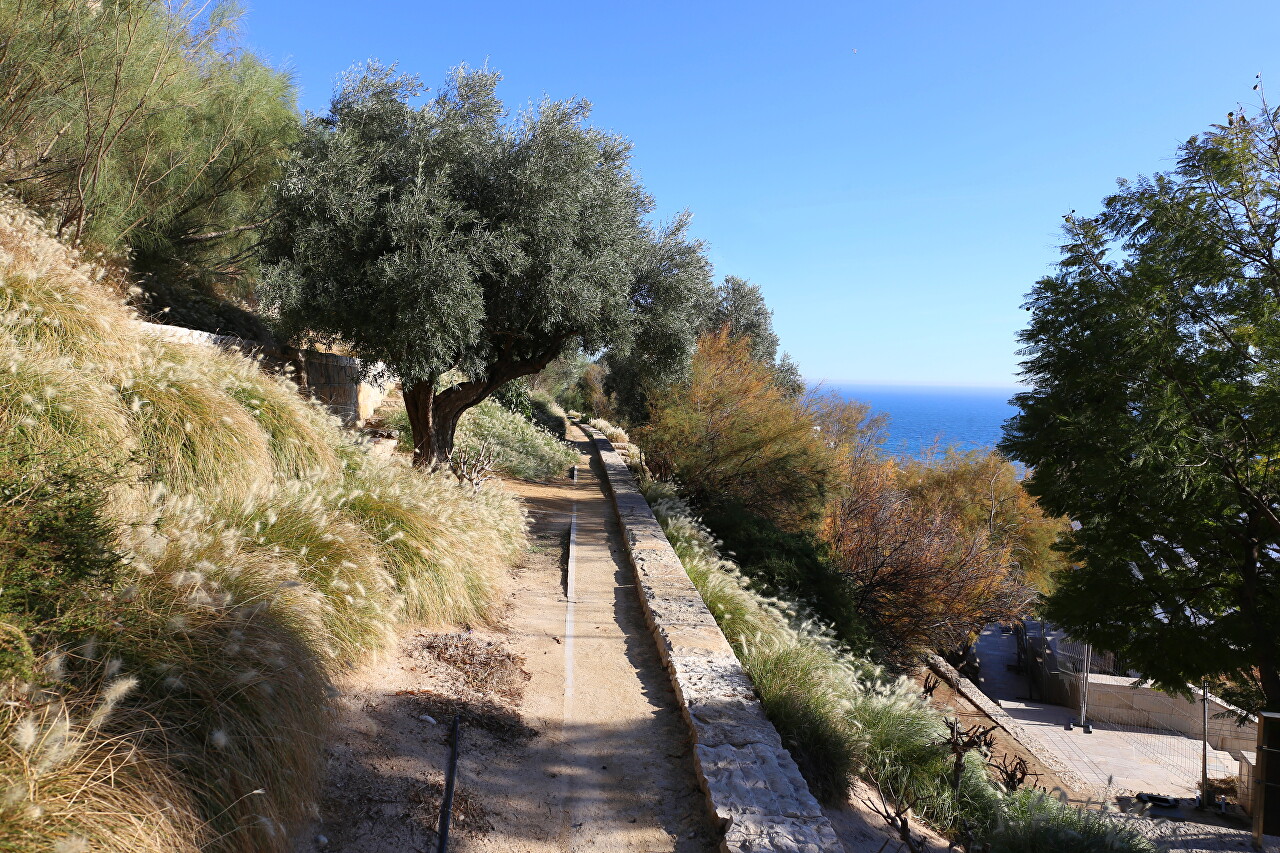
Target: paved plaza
[1117,759]
[1125,759]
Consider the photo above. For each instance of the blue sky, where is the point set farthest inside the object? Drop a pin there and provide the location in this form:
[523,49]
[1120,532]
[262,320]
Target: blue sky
[894,203]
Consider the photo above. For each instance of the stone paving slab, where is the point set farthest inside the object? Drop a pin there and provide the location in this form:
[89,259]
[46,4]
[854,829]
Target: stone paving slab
[1115,758]
[752,783]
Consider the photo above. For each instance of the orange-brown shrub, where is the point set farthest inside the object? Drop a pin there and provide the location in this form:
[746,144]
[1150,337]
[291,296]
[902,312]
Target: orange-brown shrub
[919,576]
[731,435]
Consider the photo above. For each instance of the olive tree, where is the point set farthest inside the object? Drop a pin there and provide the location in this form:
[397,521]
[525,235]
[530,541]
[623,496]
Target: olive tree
[464,248]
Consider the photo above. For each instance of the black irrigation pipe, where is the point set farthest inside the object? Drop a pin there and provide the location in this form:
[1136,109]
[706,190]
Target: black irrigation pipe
[446,805]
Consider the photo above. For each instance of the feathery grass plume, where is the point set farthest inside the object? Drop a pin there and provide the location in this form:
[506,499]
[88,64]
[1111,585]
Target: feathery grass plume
[300,525]
[257,550]
[65,782]
[50,403]
[221,642]
[444,545]
[194,435]
[51,300]
[302,438]
[1035,821]
[615,434]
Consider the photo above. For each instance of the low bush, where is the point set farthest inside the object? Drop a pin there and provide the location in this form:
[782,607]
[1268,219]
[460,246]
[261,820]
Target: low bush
[1033,822]
[841,716]
[519,448]
[548,414]
[189,552]
[615,434]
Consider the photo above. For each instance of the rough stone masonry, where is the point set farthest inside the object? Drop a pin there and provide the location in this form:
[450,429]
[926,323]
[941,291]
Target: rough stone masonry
[752,784]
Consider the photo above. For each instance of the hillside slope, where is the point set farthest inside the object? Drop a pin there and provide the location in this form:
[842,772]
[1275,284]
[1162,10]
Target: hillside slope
[188,553]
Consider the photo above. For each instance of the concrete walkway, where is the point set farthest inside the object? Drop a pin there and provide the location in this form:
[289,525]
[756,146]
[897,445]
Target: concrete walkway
[1126,759]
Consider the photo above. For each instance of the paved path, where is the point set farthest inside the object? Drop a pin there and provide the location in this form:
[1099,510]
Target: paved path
[614,770]
[1123,759]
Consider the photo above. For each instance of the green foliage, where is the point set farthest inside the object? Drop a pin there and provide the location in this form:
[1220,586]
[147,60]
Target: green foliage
[636,380]
[558,379]
[841,716]
[548,414]
[450,237]
[740,307]
[514,397]
[189,552]
[1153,418]
[143,127]
[56,547]
[1033,822]
[520,448]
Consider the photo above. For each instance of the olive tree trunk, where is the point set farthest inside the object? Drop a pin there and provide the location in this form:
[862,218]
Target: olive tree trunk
[434,415]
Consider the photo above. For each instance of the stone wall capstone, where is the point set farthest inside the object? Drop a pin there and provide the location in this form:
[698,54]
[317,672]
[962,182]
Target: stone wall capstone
[752,784]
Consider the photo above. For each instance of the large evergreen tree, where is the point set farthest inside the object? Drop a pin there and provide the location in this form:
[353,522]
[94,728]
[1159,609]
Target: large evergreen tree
[132,124]
[1153,420]
[463,249]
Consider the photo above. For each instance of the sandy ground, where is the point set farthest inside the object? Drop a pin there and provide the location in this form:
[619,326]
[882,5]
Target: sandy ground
[571,740]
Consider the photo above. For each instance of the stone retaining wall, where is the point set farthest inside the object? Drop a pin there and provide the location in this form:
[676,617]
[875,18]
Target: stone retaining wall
[334,380]
[752,784]
[1113,699]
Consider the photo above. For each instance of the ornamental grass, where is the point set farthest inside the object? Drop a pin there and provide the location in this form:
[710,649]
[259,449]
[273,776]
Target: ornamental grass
[189,553]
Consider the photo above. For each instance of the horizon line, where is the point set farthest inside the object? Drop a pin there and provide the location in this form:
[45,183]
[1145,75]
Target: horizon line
[1014,386]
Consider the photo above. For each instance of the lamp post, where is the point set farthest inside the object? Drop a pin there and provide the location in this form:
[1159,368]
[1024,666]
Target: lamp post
[1084,686]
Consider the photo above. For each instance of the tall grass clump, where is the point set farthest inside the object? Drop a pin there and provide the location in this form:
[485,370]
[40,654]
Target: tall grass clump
[443,544]
[615,434]
[841,716]
[70,787]
[1034,821]
[549,414]
[189,552]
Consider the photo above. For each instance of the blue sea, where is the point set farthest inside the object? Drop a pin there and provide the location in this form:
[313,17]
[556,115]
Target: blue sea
[923,417]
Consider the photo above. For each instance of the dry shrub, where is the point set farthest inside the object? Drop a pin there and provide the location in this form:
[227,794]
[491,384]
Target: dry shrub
[70,787]
[258,551]
[191,433]
[920,576]
[733,436]
[303,440]
[983,490]
[443,543]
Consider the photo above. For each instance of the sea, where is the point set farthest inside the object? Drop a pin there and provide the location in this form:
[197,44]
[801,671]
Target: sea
[922,417]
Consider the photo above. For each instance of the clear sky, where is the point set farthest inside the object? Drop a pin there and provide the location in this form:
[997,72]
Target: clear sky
[893,173]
